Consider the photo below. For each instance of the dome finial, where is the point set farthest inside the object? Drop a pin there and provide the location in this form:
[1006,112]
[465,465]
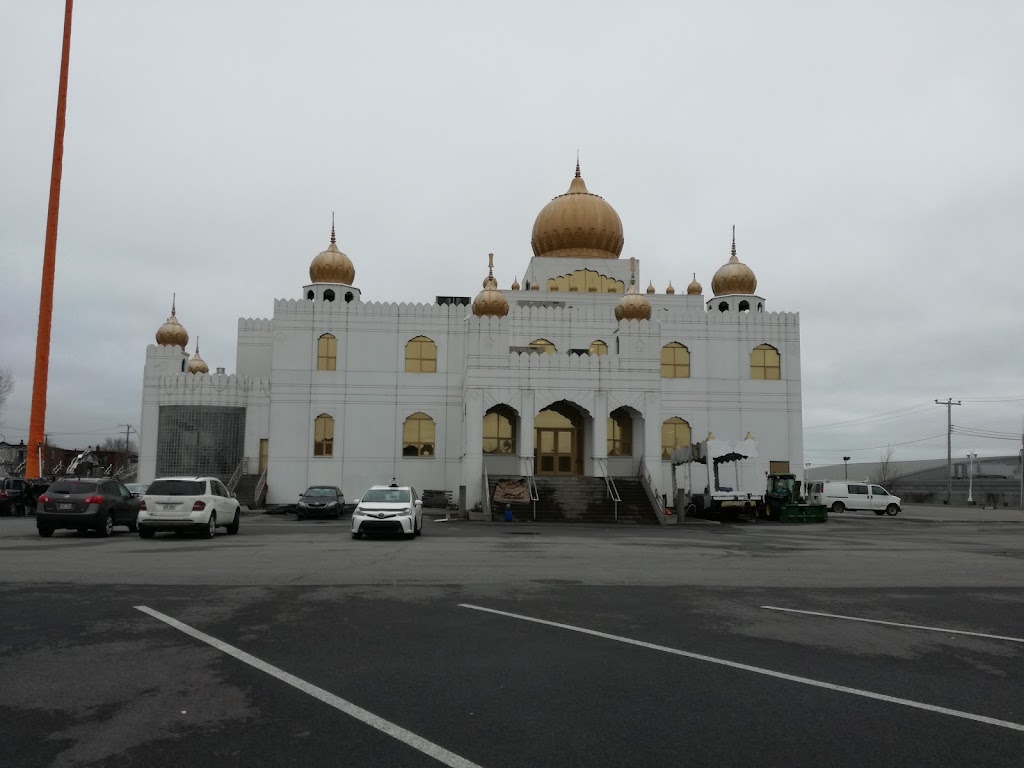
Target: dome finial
[197,344]
[733,246]
[577,162]
[174,300]
[332,229]
[632,270]
[490,264]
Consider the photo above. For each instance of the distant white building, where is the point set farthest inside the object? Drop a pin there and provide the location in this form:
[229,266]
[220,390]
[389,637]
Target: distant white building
[574,372]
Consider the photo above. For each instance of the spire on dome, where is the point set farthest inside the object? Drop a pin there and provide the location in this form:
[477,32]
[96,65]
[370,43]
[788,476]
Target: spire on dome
[174,299]
[733,246]
[333,240]
[577,162]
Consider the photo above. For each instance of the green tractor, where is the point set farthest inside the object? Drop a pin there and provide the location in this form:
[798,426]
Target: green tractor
[782,502]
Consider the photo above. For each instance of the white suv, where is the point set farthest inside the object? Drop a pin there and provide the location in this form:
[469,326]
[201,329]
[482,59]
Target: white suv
[188,503]
[388,509]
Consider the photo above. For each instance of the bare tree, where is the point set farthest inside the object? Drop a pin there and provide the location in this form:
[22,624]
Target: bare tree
[118,444]
[888,470]
[6,386]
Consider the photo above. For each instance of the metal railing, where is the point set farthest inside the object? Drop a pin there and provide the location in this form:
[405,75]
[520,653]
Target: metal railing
[531,482]
[485,499]
[237,474]
[609,484]
[652,490]
[261,484]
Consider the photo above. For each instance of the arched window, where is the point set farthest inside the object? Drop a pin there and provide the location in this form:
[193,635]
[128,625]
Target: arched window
[744,306]
[421,356]
[598,348]
[327,353]
[309,295]
[675,433]
[544,346]
[328,295]
[675,361]
[500,430]
[323,435]
[620,433]
[586,281]
[418,435]
[723,306]
[765,363]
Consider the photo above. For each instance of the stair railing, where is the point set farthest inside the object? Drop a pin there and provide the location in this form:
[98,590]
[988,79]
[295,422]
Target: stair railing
[261,485]
[652,490]
[485,501]
[609,484]
[237,474]
[531,482]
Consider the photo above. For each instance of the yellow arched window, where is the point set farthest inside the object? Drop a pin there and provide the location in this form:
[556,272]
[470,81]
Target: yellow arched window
[675,433]
[500,430]
[544,345]
[675,361]
[327,353]
[421,356]
[418,435]
[586,281]
[620,433]
[765,363]
[598,348]
[323,435]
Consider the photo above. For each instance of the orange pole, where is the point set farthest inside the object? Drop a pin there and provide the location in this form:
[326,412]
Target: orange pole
[37,420]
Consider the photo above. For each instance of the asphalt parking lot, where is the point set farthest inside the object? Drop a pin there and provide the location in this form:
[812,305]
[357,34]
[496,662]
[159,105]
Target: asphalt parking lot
[867,641]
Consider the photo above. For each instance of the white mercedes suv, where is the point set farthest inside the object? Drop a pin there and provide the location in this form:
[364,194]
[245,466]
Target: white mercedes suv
[388,509]
[188,504]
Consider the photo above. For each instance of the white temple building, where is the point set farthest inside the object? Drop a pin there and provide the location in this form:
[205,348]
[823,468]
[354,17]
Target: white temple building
[578,371]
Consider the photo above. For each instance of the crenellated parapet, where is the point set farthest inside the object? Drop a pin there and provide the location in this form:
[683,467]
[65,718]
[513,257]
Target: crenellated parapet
[255,325]
[210,389]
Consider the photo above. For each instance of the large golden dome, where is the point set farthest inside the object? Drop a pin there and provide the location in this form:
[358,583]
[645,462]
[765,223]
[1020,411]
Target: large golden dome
[197,364]
[633,306]
[332,266]
[490,302]
[172,333]
[734,276]
[578,225]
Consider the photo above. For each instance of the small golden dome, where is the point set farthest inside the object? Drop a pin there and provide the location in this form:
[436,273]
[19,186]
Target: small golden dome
[633,306]
[515,284]
[578,225]
[490,302]
[695,288]
[172,333]
[197,364]
[734,276]
[332,266]
[670,290]
[650,287]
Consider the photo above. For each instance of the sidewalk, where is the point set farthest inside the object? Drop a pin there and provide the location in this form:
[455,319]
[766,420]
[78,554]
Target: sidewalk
[940,513]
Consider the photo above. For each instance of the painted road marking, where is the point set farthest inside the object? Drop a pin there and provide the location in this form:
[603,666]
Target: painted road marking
[896,624]
[440,754]
[758,670]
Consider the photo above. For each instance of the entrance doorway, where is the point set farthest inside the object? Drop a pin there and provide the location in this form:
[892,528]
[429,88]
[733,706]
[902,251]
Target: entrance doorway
[264,453]
[558,434]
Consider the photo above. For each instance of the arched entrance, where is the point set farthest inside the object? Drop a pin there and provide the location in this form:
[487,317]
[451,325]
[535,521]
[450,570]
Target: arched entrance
[558,440]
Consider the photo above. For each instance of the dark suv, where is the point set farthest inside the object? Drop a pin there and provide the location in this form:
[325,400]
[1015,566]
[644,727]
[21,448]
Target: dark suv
[87,503]
[16,497]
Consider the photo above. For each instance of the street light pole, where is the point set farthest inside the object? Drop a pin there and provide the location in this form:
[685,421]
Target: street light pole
[970,477]
[846,466]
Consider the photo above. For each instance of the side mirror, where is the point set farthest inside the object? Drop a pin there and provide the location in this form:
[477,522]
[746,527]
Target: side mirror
[418,503]
[357,501]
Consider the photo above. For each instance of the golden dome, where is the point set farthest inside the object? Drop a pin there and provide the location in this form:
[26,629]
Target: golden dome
[332,266]
[172,333]
[650,286]
[515,283]
[633,306]
[695,288]
[734,276]
[197,364]
[490,302]
[670,290]
[578,225]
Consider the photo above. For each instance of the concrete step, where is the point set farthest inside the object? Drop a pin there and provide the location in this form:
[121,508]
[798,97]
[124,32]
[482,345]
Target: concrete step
[582,499]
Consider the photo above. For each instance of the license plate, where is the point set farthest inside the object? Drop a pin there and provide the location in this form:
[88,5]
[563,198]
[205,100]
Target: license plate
[64,506]
[169,506]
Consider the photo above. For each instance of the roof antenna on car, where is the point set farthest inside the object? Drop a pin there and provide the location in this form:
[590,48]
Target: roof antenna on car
[394,483]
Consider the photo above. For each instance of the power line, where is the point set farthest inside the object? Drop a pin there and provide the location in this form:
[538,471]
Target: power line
[872,448]
[898,413]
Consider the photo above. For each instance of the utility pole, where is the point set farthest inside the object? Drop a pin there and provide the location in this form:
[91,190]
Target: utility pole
[949,403]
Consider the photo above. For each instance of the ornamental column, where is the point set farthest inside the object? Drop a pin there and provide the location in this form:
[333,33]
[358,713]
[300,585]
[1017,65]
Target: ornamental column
[473,458]
[599,447]
[525,443]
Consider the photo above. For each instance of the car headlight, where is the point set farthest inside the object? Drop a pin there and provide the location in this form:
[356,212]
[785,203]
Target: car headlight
[332,504]
[405,512]
[303,504]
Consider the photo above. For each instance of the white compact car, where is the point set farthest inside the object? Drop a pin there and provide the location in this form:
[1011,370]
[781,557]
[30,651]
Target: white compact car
[188,504]
[388,509]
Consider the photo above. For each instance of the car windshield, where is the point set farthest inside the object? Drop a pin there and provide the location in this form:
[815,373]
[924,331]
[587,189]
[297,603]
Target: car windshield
[320,492]
[387,495]
[176,488]
[73,486]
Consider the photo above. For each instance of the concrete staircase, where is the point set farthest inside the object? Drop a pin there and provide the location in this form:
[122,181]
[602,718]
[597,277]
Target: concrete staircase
[582,500]
[245,491]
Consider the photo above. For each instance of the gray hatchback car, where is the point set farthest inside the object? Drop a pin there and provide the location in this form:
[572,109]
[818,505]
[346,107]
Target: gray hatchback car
[86,503]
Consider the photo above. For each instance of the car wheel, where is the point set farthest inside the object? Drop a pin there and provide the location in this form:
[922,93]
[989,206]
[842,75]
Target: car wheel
[211,526]
[233,527]
[106,526]
[419,531]
[146,533]
[19,510]
[46,532]
[892,510]
[356,535]
[838,508]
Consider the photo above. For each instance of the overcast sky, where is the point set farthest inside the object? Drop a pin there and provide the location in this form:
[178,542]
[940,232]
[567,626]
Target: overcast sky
[870,154]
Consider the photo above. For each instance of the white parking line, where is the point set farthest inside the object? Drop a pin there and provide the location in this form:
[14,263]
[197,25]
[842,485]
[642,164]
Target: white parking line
[759,670]
[440,754]
[896,624]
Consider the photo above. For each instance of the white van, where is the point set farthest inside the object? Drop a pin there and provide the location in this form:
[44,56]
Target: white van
[840,496]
